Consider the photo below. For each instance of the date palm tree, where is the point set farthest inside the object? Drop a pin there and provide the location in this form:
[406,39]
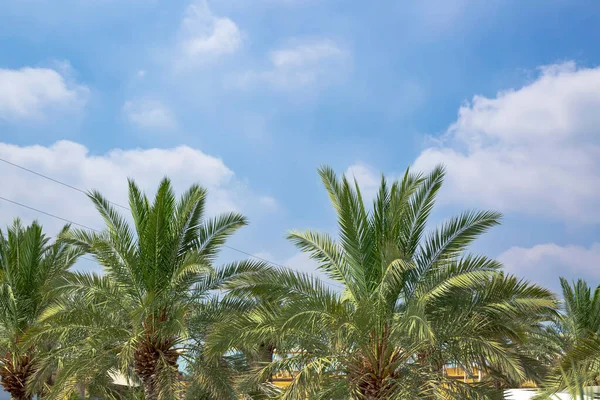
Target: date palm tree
[158,274]
[577,337]
[31,265]
[409,302]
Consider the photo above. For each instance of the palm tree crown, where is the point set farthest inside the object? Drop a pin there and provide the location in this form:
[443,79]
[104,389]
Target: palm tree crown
[30,268]
[581,306]
[411,302]
[576,334]
[158,270]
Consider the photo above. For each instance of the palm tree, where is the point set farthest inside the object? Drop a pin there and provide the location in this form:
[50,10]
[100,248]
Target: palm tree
[581,312]
[577,336]
[30,267]
[158,274]
[409,302]
[214,378]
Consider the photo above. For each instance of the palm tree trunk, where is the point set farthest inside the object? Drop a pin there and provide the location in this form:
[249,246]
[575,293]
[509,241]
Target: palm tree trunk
[149,390]
[264,356]
[148,367]
[265,353]
[81,387]
[14,374]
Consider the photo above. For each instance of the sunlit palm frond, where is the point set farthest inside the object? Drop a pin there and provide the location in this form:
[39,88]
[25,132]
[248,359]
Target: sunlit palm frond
[139,317]
[31,267]
[410,302]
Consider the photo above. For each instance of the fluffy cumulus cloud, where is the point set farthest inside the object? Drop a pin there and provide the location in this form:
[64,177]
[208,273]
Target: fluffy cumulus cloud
[532,150]
[205,37]
[28,93]
[544,263]
[149,114]
[73,164]
[300,65]
[367,177]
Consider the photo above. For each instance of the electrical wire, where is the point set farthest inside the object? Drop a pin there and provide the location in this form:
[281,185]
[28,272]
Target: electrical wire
[116,204]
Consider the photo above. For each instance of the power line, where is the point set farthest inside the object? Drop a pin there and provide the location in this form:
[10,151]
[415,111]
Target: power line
[53,216]
[126,208]
[253,256]
[96,230]
[47,213]
[54,180]
[84,192]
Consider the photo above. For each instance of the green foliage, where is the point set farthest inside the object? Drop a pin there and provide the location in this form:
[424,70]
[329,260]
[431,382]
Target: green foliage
[31,267]
[413,298]
[576,337]
[411,302]
[158,279]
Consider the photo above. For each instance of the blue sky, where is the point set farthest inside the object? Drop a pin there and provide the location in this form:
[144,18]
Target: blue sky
[250,97]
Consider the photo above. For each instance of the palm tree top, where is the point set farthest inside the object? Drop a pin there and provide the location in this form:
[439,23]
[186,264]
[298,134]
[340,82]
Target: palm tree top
[31,264]
[167,248]
[414,298]
[581,307]
[377,242]
[159,281]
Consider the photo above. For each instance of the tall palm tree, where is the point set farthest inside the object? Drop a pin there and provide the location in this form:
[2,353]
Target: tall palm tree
[30,267]
[577,336]
[581,312]
[223,377]
[409,303]
[158,274]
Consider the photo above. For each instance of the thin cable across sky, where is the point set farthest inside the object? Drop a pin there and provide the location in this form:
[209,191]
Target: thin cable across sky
[116,204]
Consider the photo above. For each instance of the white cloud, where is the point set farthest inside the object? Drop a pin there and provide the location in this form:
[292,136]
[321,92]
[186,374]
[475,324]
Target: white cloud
[300,65]
[302,262]
[205,37]
[544,263]
[534,150]
[149,114]
[367,178]
[305,54]
[439,15]
[268,201]
[73,163]
[33,92]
